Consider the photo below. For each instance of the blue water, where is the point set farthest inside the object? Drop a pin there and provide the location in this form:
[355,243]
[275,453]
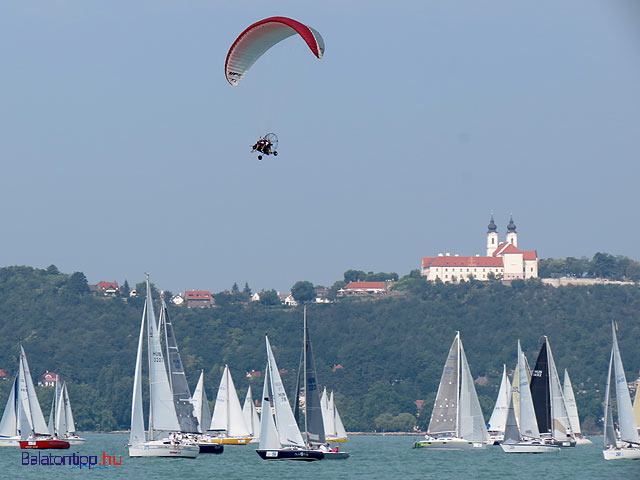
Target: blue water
[373,457]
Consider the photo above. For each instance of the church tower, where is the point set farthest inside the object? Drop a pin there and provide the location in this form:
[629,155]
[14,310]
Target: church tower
[492,237]
[512,235]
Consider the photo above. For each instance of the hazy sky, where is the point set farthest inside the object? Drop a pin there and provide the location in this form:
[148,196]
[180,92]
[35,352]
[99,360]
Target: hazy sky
[124,150]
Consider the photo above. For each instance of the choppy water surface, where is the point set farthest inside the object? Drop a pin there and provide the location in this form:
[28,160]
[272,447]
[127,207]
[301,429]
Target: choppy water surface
[373,457]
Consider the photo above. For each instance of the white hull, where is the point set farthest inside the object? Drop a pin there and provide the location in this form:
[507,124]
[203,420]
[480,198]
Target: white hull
[450,444]
[75,440]
[583,441]
[10,441]
[620,453]
[529,448]
[160,449]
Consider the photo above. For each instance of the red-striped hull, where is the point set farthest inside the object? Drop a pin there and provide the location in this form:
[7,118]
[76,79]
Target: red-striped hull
[42,444]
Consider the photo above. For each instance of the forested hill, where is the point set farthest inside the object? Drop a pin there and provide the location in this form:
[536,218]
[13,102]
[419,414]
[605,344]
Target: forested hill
[380,356]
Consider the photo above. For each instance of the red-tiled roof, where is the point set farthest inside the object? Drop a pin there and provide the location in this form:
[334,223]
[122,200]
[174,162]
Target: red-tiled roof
[364,285]
[197,295]
[107,285]
[511,248]
[48,377]
[3,373]
[462,262]
[530,255]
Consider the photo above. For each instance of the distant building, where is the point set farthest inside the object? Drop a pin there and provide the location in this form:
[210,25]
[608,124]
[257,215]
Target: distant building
[198,298]
[255,297]
[287,299]
[3,375]
[109,289]
[504,260]
[47,379]
[177,300]
[365,288]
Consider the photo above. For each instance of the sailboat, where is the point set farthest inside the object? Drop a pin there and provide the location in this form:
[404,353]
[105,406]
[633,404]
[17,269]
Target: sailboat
[548,400]
[203,416]
[521,434]
[228,420]
[22,422]
[251,419]
[498,419]
[162,439]
[572,411]
[629,437]
[314,427]
[456,420]
[333,428]
[280,439]
[184,406]
[636,405]
[63,425]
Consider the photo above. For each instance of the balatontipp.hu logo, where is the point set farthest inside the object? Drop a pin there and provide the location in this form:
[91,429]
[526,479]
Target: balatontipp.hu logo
[74,460]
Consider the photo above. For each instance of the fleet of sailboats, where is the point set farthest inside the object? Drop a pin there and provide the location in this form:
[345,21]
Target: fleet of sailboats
[456,420]
[628,445]
[522,434]
[22,422]
[549,401]
[533,413]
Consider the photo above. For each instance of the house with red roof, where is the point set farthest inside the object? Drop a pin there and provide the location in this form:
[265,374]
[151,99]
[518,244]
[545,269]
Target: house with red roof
[504,260]
[109,289]
[199,298]
[364,288]
[47,379]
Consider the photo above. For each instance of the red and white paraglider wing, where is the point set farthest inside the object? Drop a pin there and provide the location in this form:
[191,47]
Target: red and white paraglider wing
[260,37]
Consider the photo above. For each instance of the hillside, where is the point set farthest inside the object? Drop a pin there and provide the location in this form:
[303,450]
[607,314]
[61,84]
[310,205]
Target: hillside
[391,350]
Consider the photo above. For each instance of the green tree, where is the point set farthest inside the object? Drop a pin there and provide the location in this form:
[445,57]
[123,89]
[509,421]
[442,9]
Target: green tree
[246,290]
[78,283]
[52,270]
[235,288]
[125,291]
[354,276]
[269,297]
[303,291]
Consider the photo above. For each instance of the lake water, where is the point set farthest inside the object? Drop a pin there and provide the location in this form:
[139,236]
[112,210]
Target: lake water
[373,457]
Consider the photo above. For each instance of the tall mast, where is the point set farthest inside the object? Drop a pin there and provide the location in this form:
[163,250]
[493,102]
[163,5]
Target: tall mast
[458,388]
[304,374]
[149,305]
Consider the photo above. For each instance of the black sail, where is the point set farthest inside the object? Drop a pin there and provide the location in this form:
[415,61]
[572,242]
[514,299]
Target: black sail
[540,391]
[177,378]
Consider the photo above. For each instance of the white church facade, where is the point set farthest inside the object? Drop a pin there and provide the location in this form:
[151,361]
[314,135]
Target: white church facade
[504,260]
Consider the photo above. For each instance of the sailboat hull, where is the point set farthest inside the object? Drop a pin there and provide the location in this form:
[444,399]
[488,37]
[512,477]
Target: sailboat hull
[291,454]
[160,449]
[336,455]
[336,439]
[43,444]
[208,447]
[10,441]
[583,441]
[449,444]
[231,440]
[529,448]
[621,453]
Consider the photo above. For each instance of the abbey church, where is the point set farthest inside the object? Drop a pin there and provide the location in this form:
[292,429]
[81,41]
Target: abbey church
[504,260]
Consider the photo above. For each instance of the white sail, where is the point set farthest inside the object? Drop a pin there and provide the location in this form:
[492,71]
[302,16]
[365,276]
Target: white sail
[340,432]
[269,439]
[609,430]
[286,423]
[9,422]
[498,419]
[61,414]
[471,420]
[327,415]
[52,420]
[251,418]
[511,431]
[560,425]
[570,403]
[227,413]
[162,412]
[628,427]
[527,422]
[71,424]
[201,405]
[636,404]
[32,406]
[137,435]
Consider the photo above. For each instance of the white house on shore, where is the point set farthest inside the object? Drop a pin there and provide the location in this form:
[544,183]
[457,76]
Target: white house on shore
[504,260]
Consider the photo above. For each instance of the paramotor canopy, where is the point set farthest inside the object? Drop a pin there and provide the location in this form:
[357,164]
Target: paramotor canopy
[260,37]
